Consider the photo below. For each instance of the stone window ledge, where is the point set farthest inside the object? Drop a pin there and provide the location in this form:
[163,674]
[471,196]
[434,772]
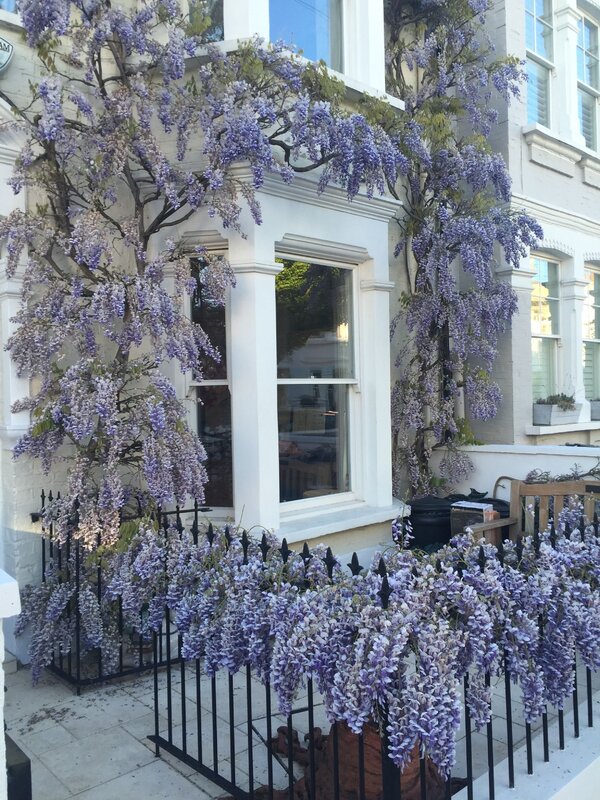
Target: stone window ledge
[337,518]
[544,430]
[547,150]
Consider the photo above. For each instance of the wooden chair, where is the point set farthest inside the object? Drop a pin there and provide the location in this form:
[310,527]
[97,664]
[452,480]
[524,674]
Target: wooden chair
[530,507]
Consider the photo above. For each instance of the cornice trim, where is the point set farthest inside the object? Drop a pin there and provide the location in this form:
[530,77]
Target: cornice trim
[377,286]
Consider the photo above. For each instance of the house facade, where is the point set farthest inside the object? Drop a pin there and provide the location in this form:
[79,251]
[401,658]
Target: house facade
[296,417]
[550,140]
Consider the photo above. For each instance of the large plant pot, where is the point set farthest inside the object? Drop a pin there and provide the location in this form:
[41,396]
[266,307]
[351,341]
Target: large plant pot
[595,409]
[348,768]
[553,415]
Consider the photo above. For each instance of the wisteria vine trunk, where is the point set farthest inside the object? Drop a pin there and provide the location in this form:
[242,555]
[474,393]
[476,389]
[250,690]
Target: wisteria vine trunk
[457,218]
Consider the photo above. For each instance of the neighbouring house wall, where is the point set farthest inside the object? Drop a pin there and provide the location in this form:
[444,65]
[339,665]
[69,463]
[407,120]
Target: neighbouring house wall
[556,179]
[491,462]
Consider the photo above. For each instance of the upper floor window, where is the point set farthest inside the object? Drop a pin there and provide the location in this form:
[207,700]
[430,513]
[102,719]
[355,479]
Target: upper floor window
[315,369]
[591,335]
[587,76]
[545,326]
[9,5]
[538,39]
[314,26]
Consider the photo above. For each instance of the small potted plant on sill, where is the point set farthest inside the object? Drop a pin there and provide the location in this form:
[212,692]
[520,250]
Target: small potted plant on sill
[556,409]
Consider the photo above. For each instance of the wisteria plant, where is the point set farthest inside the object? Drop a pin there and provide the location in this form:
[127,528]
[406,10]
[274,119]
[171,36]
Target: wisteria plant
[457,220]
[389,645]
[135,125]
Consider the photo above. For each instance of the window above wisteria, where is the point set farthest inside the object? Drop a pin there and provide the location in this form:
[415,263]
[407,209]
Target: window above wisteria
[540,48]
[538,27]
[9,5]
[314,26]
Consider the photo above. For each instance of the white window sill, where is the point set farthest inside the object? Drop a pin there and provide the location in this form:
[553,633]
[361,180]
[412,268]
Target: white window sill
[336,518]
[550,151]
[354,87]
[8,19]
[540,430]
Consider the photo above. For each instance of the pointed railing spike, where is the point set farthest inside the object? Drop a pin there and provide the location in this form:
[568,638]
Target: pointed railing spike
[354,566]
[245,545]
[210,534]
[501,552]
[385,592]
[519,548]
[481,558]
[330,562]
[381,568]
[228,537]
[306,554]
[264,547]
[285,551]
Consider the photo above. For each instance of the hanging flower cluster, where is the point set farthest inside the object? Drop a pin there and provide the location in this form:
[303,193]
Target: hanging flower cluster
[392,643]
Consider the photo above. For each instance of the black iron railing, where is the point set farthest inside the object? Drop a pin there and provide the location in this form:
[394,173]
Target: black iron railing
[66,561]
[227,728]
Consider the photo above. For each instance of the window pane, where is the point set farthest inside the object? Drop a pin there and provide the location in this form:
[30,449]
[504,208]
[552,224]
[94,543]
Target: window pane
[537,94]
[543,40]
[591,370]
[214,431]
[543,368]
[212,9]
[587,117]
[544,297]
[211,318]
[9,5]
[313,441]
[314,325]
[315,27]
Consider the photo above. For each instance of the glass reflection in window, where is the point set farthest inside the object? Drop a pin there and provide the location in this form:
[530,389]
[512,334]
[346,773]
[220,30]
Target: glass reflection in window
[314,26]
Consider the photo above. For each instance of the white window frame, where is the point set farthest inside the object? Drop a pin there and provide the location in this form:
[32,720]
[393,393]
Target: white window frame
[556,337]
[588,268]
[586,89]
[363,37]
[292,507]
[541,61]
[192,383]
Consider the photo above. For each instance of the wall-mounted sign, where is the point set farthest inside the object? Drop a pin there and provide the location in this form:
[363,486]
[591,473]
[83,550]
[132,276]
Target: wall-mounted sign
[6,51]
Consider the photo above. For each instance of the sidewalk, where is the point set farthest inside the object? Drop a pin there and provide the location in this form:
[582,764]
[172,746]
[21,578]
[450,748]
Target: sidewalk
[94,747]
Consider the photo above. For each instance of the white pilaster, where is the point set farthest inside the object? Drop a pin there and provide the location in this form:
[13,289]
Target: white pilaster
[253,372]
[364,43]
[14,387]
[376,456]
[565,106]
[573,292]
[246,18]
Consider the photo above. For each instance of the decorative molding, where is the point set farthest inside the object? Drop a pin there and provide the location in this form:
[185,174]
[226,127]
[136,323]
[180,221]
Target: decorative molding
[305,190]
[552,215]
[377,286]
[592,256]
[546,150]
[556,247]
[210,240]
[307,247]
[591,171]
[256,267]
